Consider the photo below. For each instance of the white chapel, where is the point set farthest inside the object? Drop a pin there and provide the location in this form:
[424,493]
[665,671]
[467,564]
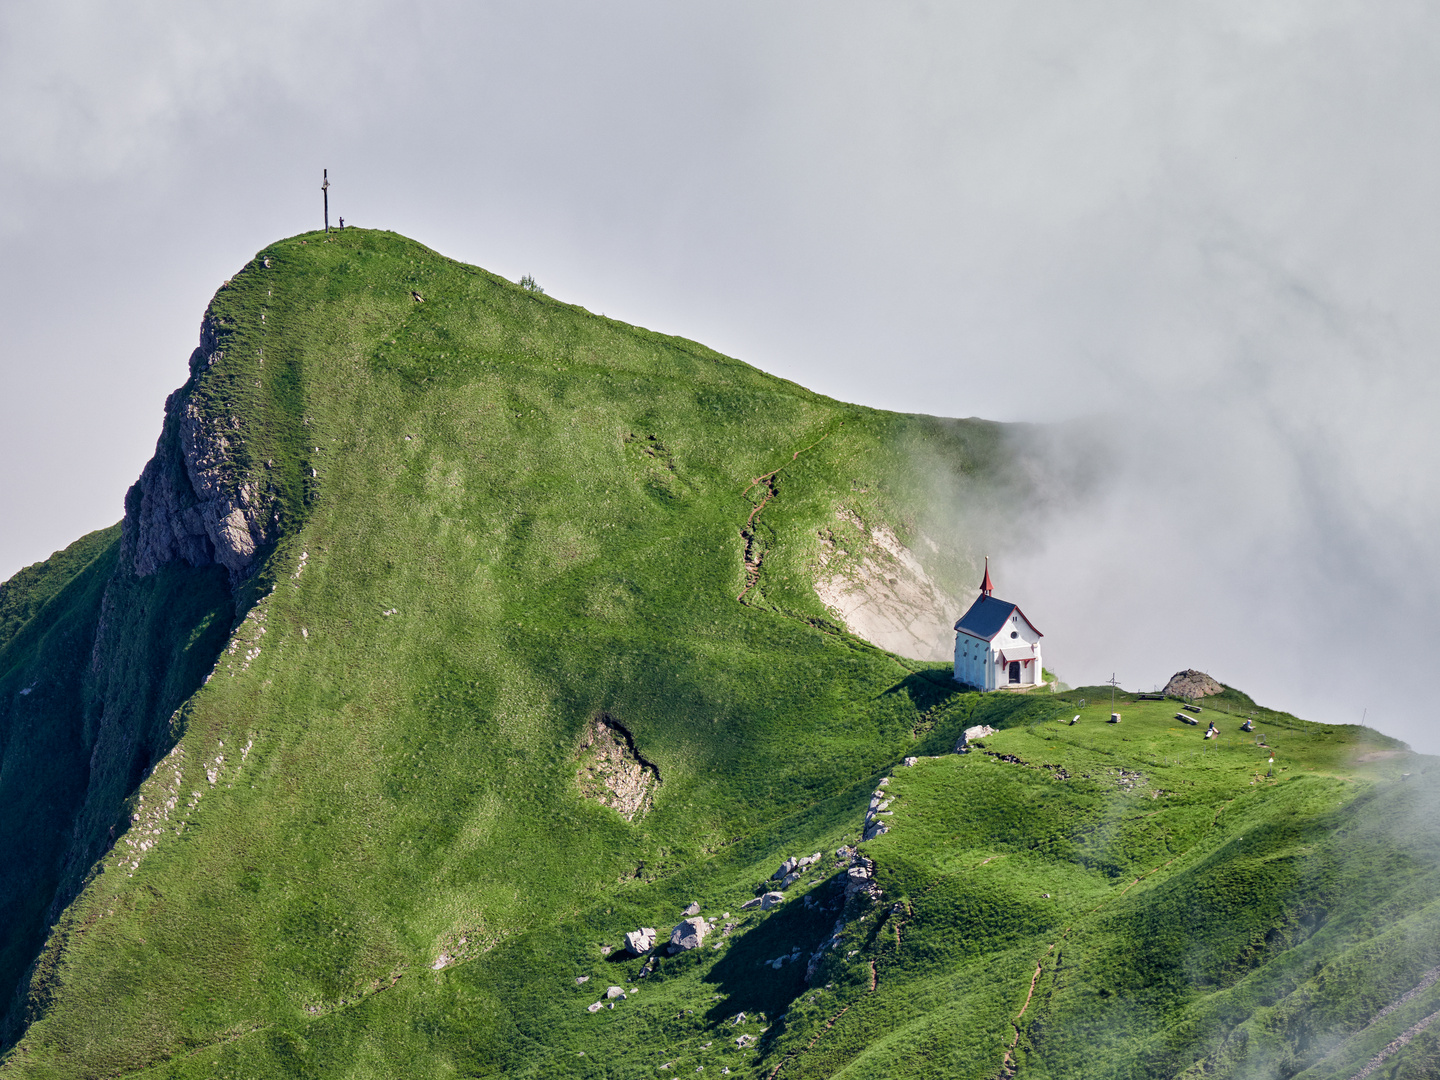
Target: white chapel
[996,646]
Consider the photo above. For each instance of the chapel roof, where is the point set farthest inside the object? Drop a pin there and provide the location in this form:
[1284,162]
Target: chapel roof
[987,616]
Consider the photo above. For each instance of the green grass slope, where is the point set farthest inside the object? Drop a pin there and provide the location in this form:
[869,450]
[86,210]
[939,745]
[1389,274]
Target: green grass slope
[82,713]
[355,831]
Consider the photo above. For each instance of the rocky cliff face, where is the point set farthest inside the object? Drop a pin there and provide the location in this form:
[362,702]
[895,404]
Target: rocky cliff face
[194,502]
[883,594]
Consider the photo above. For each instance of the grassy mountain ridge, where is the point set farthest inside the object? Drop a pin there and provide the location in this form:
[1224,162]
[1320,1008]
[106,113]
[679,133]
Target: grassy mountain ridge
[359,840]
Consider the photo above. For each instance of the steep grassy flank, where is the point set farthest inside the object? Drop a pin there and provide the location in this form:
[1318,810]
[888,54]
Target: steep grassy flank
[33,587]
[48,614]
[67,752]
[364,849]
[516,515]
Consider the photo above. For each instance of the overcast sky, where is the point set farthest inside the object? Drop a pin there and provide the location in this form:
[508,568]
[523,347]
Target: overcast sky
[1213,225]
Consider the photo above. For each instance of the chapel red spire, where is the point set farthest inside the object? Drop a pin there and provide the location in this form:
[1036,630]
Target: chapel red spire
[985,587]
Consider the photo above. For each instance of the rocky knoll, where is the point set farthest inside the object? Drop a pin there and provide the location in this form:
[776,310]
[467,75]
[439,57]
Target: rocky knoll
[1191,684]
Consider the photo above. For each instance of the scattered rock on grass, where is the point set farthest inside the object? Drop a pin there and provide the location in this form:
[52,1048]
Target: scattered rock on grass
[638,942]
[860,878]
[771,899]
[688,935]
[693,909]
[979,731]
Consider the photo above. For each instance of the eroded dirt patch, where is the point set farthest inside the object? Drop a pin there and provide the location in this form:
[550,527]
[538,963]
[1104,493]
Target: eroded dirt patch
[612,772]
[883,594]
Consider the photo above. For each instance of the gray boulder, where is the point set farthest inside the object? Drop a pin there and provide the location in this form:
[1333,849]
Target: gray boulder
[693,909]
[688,935]
[786,868]
[613,992]
[641,941]
[1191,684]
[771,899]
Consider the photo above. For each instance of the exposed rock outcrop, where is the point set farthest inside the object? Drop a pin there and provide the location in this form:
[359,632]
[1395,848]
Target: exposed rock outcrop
[1192,684]
[884,595]
[879,809]
[612,772]
[979,731]
[194,501]
[860,878]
